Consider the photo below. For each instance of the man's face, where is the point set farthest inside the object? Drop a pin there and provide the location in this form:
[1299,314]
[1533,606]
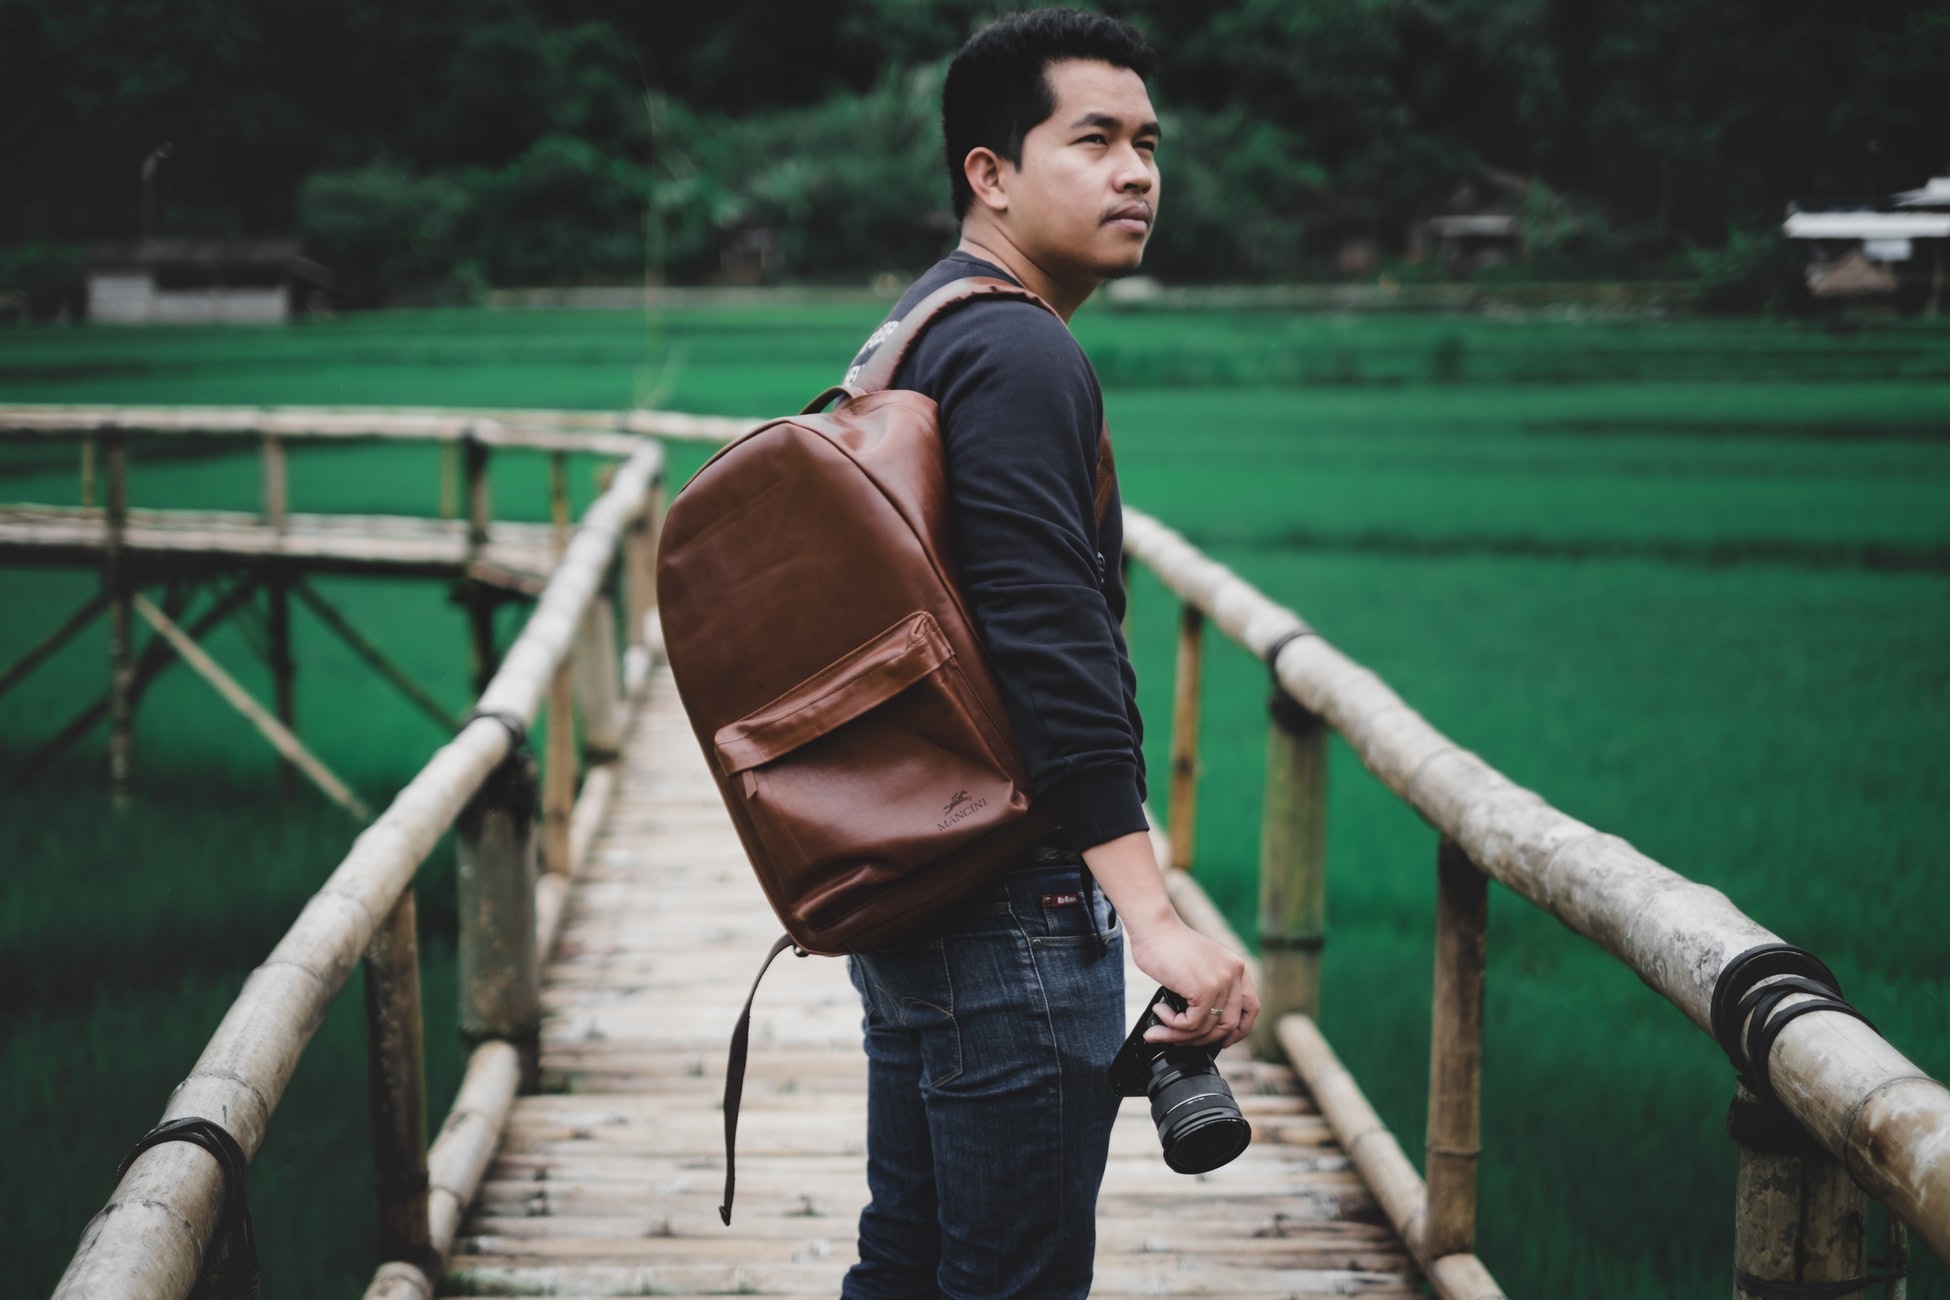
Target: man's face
[1082,203]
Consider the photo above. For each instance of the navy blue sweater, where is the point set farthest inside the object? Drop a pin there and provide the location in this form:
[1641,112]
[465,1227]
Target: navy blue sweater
[1020,411]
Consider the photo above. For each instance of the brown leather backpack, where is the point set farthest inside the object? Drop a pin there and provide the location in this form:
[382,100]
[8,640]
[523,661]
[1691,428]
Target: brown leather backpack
[819,641]
[816,630]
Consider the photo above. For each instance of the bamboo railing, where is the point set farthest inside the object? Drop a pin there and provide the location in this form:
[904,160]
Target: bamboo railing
[149,1240]
[107,439]
[1878,1119]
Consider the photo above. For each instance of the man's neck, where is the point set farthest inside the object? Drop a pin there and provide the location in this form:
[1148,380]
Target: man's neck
[992,245]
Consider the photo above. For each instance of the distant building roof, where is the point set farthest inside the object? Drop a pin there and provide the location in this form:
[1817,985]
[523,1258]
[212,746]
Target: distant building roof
[1934,194]
[1868,225]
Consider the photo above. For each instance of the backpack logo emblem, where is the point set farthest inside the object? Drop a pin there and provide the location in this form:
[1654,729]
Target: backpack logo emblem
[960,806]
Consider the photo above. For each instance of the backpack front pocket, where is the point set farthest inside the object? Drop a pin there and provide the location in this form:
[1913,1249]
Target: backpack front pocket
[870,769]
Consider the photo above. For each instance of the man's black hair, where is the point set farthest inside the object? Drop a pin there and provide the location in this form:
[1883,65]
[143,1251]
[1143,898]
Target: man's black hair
[998,86]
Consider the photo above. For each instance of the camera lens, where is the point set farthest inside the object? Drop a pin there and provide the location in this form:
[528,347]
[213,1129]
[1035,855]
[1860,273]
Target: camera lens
[1198,1121]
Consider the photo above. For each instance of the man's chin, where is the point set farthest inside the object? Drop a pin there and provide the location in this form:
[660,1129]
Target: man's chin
[1124,266]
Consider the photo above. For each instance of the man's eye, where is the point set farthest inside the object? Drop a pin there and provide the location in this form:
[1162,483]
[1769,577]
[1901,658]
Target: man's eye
[1093,139]
[1149,146]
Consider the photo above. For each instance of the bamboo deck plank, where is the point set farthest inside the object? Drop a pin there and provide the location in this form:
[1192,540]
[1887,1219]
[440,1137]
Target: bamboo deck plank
[608,1183]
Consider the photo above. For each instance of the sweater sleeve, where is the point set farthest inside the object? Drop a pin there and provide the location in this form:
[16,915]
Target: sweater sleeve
[1020,416]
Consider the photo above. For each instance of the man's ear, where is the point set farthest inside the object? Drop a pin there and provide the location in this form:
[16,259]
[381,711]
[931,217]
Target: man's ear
[987,175]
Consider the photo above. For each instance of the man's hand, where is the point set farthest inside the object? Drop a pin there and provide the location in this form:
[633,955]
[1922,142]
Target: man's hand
[1221,1003]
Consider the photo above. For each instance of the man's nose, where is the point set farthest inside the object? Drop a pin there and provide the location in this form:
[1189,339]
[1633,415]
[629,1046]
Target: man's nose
[1133,175]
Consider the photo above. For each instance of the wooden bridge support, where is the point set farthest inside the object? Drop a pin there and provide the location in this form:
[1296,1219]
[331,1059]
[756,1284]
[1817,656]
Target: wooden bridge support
[1456,1051]
[1292,868]
[598,689]
[479,600]
[640,567]
[559,771]
[1798,1217]
[500,960]
[396,1083]
[116,584]
[277,620]
[1182,814]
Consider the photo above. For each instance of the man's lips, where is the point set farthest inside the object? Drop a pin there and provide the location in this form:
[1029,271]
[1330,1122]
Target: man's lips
[1134,218]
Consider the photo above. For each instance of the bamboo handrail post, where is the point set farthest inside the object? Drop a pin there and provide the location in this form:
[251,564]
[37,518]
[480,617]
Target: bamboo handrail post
[276,486]
[1456,1051]
[396,1085]
[278,633]
[1798,1216]
[640,566]
[1896,1260]
[500,965]
[1183,807]
[474,457]
[558,497]
[449,480]
[478,600]
[1292,867]
[598,688]
[559,771]
[115,579]
[87,472]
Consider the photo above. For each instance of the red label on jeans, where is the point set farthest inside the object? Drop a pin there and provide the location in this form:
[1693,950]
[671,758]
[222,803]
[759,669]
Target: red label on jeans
[1062,900]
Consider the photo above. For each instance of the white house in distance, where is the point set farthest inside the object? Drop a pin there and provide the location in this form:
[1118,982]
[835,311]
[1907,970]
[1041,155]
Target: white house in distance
[1873,252]
[202,281]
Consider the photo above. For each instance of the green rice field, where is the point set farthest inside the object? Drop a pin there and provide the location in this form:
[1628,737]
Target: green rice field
[1688,579]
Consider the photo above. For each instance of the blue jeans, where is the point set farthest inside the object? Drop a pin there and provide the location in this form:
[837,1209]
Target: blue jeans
[988,1106]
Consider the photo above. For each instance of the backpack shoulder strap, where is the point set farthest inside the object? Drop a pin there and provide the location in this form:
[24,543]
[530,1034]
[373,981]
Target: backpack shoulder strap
[878,370]
[880,367]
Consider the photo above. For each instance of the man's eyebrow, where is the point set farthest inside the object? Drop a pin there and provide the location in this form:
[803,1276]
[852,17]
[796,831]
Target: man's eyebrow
[1113,122]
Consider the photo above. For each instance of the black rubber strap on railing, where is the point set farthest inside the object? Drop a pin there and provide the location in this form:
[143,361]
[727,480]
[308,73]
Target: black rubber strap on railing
[734,1076]
[1762,1289]
[1281,642]
[229,1269]
[517,729]
[1747,1014]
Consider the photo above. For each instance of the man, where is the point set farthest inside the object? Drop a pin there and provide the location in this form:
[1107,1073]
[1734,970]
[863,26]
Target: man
[989,1110]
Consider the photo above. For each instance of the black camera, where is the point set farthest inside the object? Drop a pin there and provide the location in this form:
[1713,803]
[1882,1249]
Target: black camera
[1198,1121]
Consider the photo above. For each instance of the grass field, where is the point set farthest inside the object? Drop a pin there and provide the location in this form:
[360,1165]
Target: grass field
[1690,580]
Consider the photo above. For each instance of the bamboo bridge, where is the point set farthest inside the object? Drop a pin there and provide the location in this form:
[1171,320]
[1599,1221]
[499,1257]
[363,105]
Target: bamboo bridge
[609,927]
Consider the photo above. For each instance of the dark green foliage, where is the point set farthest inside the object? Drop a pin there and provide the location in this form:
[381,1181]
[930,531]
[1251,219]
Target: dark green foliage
[555,136]
[389,230]
[1754,270]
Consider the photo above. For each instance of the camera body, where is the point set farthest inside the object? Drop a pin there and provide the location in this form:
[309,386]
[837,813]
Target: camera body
[1199,1124]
